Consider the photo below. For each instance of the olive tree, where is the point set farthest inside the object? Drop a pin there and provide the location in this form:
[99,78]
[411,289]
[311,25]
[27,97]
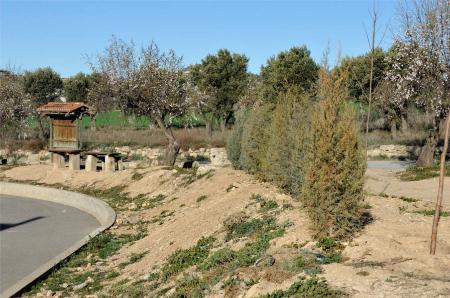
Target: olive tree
[146,81]
[222,78]
[76,88]
[42,85]
[292,68]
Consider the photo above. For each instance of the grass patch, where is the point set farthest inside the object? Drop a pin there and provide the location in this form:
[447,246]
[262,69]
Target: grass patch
[184,258]
[242,225]
[133,259]
[431,212]
[99,248]
[307,287]
[414,173]
[268,205]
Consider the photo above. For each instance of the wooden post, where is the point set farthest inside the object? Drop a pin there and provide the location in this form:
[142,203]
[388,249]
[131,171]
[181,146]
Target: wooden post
[74,162]
[91,163]
[440,196]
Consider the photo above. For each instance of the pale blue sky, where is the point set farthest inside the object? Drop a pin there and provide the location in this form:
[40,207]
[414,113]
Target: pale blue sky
[60,33]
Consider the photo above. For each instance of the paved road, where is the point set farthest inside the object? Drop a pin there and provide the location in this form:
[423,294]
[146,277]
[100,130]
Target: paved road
[32,232]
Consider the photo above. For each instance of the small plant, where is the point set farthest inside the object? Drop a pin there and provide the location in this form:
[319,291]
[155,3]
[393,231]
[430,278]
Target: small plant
[268,205]
[230,187]
[137,176]
[329,244]
[201,198]
[408,199]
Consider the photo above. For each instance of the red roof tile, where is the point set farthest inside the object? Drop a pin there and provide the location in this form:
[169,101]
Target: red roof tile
[63,107]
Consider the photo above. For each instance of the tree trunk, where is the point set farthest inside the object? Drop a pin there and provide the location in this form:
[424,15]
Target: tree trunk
[393,129]
[426,156]
[223,124]
[41,129]
[173,148]
[437,212]
[209,128]
[404,126]
[94,123]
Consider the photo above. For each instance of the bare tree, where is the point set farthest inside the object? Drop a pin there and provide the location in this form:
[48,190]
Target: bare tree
[373,45]
[146,81]
[437,212]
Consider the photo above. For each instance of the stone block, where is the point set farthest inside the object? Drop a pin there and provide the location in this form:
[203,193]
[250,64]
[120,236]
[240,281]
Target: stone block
[74,162]
[91,163]
[58,161]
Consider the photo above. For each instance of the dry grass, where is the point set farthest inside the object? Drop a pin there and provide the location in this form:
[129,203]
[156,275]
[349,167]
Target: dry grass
[193,138]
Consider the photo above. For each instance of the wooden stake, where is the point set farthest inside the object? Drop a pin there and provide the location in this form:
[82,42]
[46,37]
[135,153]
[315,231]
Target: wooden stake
[440,196]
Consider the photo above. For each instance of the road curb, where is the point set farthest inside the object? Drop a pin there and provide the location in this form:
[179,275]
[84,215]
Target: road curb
[95,207]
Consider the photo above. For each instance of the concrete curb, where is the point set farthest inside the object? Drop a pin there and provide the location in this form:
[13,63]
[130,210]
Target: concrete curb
[95,207]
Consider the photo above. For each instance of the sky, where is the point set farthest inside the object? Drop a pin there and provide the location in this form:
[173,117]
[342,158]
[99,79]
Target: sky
[62,33]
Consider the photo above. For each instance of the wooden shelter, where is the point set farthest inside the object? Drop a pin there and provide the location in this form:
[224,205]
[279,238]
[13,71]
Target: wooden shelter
[65,130]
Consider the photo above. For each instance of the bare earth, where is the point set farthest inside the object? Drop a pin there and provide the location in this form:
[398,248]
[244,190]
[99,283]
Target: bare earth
[388,259]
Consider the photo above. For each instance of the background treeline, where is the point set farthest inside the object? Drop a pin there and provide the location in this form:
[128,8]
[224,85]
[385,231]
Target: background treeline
[145,87]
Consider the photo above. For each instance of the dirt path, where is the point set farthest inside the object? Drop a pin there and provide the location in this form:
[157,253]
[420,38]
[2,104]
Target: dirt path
[382,177]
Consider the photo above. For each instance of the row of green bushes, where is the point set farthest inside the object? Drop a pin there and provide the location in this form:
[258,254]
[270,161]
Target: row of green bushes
[309,146]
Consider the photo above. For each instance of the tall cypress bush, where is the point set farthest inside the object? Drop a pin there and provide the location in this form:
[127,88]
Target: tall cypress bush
[288,139]
[235,141]
[333,187]
[255,138]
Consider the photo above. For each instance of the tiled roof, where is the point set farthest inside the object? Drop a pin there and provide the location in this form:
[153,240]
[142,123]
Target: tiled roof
[63,107]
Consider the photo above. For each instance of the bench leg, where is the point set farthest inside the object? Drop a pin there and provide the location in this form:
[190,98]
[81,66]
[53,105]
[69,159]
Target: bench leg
[91,163]
[110,164]
[74,162]
[58,160]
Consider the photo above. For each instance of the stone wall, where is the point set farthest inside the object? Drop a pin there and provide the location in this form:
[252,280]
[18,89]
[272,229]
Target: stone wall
[148,156]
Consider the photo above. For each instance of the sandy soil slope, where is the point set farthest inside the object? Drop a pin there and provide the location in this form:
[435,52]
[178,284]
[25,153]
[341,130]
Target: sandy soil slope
[388,259]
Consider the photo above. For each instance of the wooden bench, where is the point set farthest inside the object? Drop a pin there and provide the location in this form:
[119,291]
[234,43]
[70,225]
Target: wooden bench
[111,161]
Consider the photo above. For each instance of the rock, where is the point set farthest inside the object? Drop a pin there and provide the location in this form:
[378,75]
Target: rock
[132,206]
[204,169]
[218,157]
[80,286]
[65,285]
[134,219]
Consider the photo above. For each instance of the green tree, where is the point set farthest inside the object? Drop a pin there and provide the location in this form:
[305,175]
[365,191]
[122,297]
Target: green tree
[223,79]
[293,68]
[76,88]
[289,133]
[358,69]
[333,187]
[42,85]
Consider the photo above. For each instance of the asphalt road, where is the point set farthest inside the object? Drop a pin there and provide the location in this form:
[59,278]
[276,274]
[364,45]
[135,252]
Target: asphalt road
[32,232]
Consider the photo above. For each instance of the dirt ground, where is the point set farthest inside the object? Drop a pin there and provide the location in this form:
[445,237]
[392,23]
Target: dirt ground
[388,259]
